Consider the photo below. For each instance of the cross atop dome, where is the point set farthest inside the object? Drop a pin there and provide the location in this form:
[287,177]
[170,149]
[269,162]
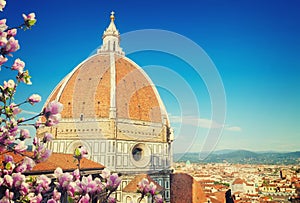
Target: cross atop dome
[111,38]
[112,17]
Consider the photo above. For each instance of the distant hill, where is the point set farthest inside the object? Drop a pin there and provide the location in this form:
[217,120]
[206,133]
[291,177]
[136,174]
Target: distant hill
[242,157]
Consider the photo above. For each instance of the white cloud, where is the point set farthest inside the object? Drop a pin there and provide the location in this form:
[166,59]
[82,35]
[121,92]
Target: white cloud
[202,123]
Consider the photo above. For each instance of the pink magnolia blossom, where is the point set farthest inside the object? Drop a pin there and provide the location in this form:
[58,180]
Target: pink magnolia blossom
[8,158]
[35,98]
[143,186]
[18,65]
[53,108]
[45,155]
[20,120]
[24,134]
[111,200]
[9,194]
[15,109]
[5,200]
[84,152]
[11,32]
[2,58]
[85,199]
[8,197]
[105,173]
[26,165]
[24,77]
[100,186]
[21,168]
[41,153]
[65,179]
[36,198]
[42,184]
[3,25]
[38,123]
[52,201]
[2,4]
[24,189]
[58,172]
[76,174]
[36,140]
[12,45]
[47,137]
[73,188]
[10,84]
[21,147]
[30,16]
[12,127]
[29,163]
[113,182]
[56,194]
[52,113]
[87,185]
[80,152]
[8,164]
[29,19]
[18,179]
[53,120]
[158,198]
[152,188]
[8,180]
[3,38]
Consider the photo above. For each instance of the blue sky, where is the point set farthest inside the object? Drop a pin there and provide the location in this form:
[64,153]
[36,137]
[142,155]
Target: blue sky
[254,45]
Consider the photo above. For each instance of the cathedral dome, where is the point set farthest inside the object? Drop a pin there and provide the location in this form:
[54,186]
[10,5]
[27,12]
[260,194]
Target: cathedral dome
[109,87]
[113,109]
[88,91]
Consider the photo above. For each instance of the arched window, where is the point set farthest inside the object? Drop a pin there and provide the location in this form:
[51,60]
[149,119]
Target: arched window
[128,199]
[81,117]
[114,46]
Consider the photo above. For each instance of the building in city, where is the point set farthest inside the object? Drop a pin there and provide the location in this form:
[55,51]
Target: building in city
[113,109]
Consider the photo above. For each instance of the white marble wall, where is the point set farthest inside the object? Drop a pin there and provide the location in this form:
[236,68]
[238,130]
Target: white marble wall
[117,155]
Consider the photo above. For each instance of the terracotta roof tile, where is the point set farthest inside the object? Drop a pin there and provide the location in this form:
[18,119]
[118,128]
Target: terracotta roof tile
[135,94]
[64,161]
[238,181]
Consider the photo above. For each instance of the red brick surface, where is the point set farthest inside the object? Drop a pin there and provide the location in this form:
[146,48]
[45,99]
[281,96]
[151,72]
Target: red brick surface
[185,189]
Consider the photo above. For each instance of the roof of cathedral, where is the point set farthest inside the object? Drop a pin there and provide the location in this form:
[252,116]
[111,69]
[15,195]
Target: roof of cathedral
[109,85]
[64,161]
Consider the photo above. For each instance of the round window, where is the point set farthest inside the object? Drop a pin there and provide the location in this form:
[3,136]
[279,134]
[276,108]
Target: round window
[140,155]
[137,153]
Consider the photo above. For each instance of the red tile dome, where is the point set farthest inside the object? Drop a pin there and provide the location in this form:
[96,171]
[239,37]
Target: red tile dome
[87,91]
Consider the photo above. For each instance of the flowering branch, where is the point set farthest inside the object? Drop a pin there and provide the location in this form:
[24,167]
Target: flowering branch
[149,190]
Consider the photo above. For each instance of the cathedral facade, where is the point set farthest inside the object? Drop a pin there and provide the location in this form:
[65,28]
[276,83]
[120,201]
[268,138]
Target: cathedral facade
[112,108]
